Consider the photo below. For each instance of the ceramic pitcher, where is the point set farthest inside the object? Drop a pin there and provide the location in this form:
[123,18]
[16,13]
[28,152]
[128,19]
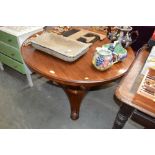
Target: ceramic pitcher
[102,59]
[123,34]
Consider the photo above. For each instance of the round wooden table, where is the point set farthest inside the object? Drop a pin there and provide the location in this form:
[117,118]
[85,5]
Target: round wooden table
[76,78]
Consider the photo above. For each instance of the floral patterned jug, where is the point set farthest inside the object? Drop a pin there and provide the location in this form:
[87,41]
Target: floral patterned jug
[102,59]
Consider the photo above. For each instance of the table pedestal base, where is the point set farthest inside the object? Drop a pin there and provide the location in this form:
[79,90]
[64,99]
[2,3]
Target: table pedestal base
[75,98]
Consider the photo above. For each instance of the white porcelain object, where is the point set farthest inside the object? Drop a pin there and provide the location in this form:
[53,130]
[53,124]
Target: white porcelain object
[60,46]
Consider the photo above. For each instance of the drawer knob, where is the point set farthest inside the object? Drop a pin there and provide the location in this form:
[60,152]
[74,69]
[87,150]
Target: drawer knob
[12,54]
[9,40]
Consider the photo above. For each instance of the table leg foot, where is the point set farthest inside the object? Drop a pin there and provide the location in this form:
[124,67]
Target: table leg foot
[74,115]
[75,98]
[29,79]
[124,113]
[1,66]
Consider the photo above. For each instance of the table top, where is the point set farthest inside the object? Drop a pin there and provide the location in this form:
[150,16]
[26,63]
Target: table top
[20,30]
[126,91]
[80,72]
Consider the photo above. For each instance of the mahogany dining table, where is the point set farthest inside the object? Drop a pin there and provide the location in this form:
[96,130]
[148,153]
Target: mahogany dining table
[78,77]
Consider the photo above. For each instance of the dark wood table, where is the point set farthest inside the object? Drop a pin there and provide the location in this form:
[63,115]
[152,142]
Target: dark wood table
[78,77]
[126,92]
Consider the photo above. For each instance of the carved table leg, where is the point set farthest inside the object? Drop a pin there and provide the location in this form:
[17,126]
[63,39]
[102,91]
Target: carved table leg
[122,116]
[75,97]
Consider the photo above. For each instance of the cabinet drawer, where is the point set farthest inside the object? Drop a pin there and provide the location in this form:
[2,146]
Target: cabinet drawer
[10,51]
[9,39]
[12,63]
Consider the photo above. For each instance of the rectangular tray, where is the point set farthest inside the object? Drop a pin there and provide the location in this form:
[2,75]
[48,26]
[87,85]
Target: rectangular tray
[60,46]
[147,86]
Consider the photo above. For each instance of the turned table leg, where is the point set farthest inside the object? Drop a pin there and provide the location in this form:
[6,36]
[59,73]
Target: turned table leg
[124,113]
[75,98]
